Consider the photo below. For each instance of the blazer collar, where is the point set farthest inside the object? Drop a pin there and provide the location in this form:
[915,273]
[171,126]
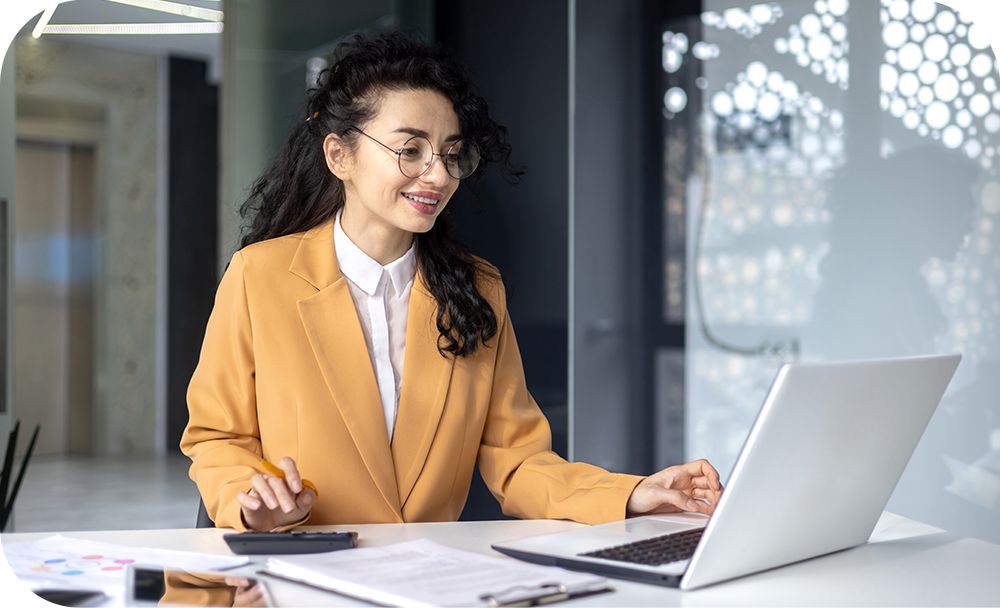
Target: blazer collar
[315,260]
[334,331]
[423,392]
[365,272]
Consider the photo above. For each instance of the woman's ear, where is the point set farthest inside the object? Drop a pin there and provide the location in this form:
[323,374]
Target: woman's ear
[338,156]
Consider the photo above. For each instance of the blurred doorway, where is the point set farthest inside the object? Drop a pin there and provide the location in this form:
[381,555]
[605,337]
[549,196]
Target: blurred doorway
[54,269]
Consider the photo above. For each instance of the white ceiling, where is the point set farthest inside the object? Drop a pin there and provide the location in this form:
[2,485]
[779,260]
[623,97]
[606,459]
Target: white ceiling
[207,47]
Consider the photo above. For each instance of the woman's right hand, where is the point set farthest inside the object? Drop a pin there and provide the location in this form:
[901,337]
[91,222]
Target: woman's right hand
[273,501]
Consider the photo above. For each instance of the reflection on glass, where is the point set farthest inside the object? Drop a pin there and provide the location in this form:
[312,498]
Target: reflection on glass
[182,588]
[839,195]
[891,219]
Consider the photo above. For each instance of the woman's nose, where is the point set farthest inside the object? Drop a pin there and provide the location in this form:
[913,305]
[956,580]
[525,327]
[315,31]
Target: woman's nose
[436,173]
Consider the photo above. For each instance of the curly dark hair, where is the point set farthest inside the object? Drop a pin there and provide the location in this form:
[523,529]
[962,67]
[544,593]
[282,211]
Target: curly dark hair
[298,192]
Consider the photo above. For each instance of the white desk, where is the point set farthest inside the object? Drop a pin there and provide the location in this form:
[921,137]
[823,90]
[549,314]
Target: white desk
[906,563]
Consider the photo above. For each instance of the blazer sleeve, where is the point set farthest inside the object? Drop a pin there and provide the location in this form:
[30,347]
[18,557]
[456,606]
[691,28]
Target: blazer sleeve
[516,459]
[222,437]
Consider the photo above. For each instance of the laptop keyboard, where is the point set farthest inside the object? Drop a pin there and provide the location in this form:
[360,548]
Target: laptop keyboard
[653,551]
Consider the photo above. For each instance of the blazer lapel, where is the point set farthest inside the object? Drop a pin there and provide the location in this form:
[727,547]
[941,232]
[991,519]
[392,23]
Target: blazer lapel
[335,335]
[426,378]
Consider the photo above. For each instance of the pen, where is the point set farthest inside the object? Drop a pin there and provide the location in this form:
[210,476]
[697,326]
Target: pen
[273,470]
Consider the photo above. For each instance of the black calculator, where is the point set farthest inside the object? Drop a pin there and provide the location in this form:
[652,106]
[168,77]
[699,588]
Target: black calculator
[285,543]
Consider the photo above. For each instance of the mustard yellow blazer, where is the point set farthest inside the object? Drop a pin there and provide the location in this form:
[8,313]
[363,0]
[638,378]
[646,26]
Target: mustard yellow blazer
[284,371]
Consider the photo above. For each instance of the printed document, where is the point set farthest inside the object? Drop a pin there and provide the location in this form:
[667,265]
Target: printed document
[423,573]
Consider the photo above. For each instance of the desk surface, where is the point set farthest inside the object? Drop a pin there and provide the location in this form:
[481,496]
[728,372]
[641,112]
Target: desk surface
[905,563]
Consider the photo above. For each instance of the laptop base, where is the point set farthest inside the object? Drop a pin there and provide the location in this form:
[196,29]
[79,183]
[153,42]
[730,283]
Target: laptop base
[629,574]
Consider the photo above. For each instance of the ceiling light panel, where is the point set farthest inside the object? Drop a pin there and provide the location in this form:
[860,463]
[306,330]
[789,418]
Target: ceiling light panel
[128,29]
[175,8]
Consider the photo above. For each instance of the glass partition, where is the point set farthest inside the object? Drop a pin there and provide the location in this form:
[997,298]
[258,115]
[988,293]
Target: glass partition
[831,192]
[273,50]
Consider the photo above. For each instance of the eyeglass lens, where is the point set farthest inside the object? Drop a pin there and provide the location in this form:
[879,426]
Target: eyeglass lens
[417,154]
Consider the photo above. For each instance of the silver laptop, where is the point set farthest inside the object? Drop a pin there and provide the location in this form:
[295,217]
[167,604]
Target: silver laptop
[819,464]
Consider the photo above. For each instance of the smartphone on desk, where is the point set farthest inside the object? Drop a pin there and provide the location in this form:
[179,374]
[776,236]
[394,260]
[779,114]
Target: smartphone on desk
[153,586]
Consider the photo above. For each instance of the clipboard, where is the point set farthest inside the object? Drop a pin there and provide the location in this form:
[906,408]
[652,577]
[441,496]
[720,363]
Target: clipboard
[538,595]
[424,574]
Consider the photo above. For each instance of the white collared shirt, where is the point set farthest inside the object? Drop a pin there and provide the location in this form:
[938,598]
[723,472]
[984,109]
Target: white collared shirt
[381,296]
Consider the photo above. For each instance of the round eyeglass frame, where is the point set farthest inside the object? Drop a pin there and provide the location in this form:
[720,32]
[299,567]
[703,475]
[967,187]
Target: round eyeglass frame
[427,166]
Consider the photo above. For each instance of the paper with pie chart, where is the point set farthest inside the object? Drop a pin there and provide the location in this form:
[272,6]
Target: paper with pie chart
[60,561]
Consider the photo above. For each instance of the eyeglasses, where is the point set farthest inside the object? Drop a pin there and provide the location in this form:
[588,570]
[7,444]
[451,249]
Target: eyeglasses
[416,156]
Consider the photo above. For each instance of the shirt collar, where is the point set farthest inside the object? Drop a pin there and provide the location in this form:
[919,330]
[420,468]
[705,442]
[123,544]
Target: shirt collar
[365,272]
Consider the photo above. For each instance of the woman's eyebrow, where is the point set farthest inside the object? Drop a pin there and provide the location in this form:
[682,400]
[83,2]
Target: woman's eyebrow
[424,134]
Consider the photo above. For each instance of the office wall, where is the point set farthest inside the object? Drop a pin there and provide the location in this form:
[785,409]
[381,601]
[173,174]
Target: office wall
[612,401]
[110,99]
[571,237]
[193,191]
[8,142]
[522,228]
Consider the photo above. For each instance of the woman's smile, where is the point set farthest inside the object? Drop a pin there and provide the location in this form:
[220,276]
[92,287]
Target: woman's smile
[423,201]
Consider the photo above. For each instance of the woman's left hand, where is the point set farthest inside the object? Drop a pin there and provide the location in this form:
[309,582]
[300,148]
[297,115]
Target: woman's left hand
[693,486]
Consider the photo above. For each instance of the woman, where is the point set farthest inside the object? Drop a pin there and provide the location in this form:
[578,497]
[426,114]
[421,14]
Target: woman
[357,345]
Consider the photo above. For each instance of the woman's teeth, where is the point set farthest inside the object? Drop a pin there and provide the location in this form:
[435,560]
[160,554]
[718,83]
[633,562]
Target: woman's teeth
[420,199]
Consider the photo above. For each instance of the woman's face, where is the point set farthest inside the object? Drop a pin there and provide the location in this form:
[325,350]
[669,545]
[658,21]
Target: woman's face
[378,197]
